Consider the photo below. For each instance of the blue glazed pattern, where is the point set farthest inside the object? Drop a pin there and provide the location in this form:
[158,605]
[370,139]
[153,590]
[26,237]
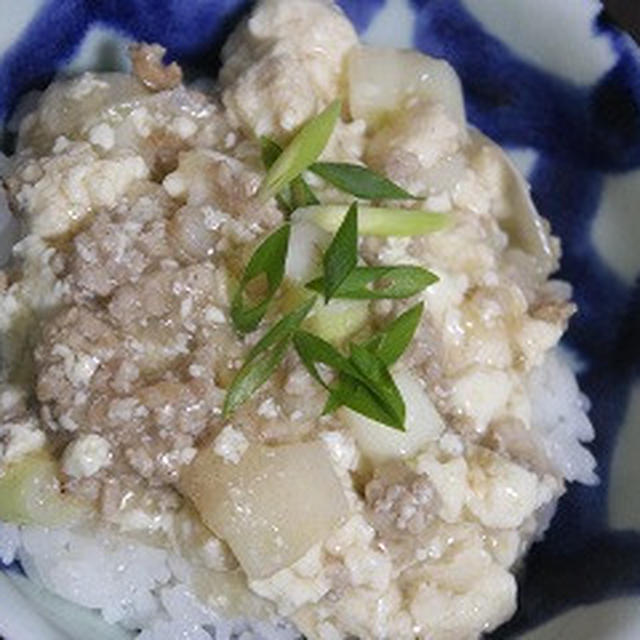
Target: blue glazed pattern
[581,135]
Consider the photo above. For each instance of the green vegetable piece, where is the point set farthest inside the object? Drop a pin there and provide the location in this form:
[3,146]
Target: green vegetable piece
[388,346]
[353,394]
[270,152]
[341,256]
[30,493]
[393,341]
[376,283]
[364,384]
[381,382]
[301,152]
[267,260]
[360,181]
[314,350]
[264,358]
[376,221]
[301,194]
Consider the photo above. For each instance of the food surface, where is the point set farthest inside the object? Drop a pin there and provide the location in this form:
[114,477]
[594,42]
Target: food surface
[333,474]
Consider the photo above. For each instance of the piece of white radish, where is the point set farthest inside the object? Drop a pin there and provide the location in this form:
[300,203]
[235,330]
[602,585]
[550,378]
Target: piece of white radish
[307,244]
[272,506]
[30,493]
[382,79]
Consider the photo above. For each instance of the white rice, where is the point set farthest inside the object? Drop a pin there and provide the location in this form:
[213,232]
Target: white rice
[559,414]
[146,589]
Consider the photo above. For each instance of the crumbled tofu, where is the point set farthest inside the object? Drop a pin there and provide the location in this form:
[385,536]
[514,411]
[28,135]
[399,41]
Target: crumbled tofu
[215,314]
[503,494]
[174,185]
[85,456]
[535,338]
[287,66]
[142,121]
[22,438]
[304,582]
[318,33]
[268,409]
[342,449]
[72,184]
[449,477]
[87,83]
[439,613]
[481,395]
[103,136]
[279,82]
[184,127]
[424,129]
[230,444]
[78,367]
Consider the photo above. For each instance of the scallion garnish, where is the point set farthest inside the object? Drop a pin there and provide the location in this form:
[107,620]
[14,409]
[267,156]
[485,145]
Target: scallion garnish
[301,193]
[360,181]
[390,343]
[270,151]
[380,382]
[387,345]
[363,382]
[377,283]
[314,350]
[302,151]
[341,256]
[264,358]
[267,262]
[376,221]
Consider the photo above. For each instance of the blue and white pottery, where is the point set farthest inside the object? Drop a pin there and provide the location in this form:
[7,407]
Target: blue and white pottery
[559,87]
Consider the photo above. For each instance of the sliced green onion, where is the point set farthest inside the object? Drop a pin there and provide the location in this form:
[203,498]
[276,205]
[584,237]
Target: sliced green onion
[377,283]
[264,358]
[364,384]
[390,343]
[341,256]
[360,181]
[270,151]
[351,393]
[380,381]
[301,152]
[376,221]
[315,350]
[268,260]
[301,193]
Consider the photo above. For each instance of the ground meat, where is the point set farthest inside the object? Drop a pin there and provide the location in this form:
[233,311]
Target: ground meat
[149,67]
[553,311]
[119,245]
[400,501]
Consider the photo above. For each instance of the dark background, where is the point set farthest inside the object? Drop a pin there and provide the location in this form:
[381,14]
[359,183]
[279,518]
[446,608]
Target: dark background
[627,14]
